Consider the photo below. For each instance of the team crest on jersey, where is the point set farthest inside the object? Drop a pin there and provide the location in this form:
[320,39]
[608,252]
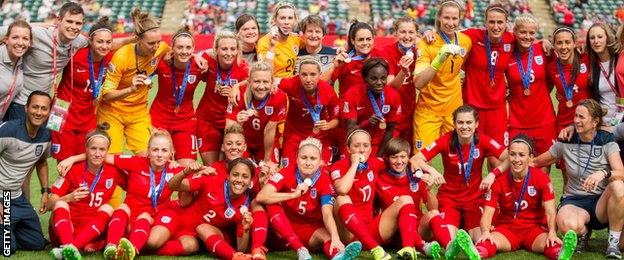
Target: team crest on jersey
[324,59]
[191,79]
[414,186]
[154,62]
[531,190]
[229,213]
[597,152]
[111,67]
[507,47]
[109,183]
[345,107]
[313,193]
[583,68]
[385,109]
[229,109]
[268,110]
[462,51]
[370,176]
[59,182]
[55,148]
[419,144]
[488,195]
[165,219]
[277,177]
[38,150]
[335,174]
[168,176]
[285,161]
[539,60]
[477,153]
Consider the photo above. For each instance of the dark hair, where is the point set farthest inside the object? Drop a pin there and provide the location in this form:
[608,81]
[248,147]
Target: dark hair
[21,24]
[100,130]
[71,8]
[612,48]
[576,63]
[101,24]
[243,19]
[36,93]
[496,7]
[595,110]
[312,20]
[185,31]
[371,63]
[354,28]
[524,138]
[242,160]
[459,110]
[404,19]
[396,145]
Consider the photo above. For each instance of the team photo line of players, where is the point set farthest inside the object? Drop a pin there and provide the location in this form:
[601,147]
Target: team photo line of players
[271,99]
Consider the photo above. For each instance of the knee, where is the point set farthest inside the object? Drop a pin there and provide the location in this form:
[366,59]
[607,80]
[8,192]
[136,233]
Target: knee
[125,208]
[616,189]
[433,213]
[190,245]
[146,216]
[106,209]
[569,223]
[59,204]
[404,200]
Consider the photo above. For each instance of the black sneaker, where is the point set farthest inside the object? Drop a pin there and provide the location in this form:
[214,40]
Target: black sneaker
[582,243]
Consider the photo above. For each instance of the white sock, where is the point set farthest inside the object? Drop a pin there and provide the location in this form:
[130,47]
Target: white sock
[614,237]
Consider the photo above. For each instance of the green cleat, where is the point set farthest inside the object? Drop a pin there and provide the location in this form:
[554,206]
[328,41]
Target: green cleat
[407,253]
[380,254]
[70,252]
[433,249]
[465,242]
[452,250]
[110,252]
[351,251]
[56,253]
[127,249]
[569,244]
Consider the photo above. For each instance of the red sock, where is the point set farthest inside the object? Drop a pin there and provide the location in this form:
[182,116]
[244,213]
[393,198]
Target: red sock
[139,233]
[93,229]
[440,231]
[326,246]
[117,226]
[486,249]
[356,227]
[63,226]
[259,229]
[552,252]
[408,226]
[281,225]
[218,247]
[171,248]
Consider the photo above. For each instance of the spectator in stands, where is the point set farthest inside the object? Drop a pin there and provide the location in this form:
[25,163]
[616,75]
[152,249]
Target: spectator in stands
[619,14]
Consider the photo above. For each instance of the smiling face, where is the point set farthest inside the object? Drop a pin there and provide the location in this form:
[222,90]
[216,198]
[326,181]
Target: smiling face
[183,48]
[564,45]
[407,34]
[313,36]
[160,151]
[18,41]
[525,34]
[227,50]
[70,25]
[248,33]
[519,157]
[398,161]
[597,39]
[308,160]
[240,179]
[360,143]
[448,19]
[376,79]
[260,82]
[363,41]
[38,110]
[233,146]
[101,42]
[97,149]
[496,23]
[465,125]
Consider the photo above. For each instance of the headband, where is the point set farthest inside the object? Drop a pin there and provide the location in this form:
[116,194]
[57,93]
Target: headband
[520,140]
[314,142]
[359,130]
[497,8]
[565,28]
[148,29]
[98,30]
[98,135]
[182,34]
[452,2]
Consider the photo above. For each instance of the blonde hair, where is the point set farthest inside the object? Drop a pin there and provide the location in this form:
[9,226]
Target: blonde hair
[234,129]
[159,132]
[279,6]
[143,22]
[311,141]
[225,34]
[100,131]
[445,4]
[523,19]
[258,66]
[355,131]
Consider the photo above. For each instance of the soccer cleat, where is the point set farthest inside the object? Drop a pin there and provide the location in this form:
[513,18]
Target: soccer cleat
[569,244]
[613,253]
[465,242]
[303,254]
[110,252]
[407,253]
[259,253]
[127,249]
[70,252]
[433,249]
[241,256]
[351,251]
[582,243]
[380,254]
[452,249]
[57,253]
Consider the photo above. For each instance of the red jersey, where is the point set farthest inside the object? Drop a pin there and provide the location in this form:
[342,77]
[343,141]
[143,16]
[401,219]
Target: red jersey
[477,90]
[536,109]
[211,206]
[221,169]
[212,105]
[299,122]
[503,196]
[350,74]
[139,193]
[81,114]
[390,187]
[307,208]
[363,191]
[357,106]
[392,54]
[273,110]
[163,110]
[103,190]
[565,115]
[455,187]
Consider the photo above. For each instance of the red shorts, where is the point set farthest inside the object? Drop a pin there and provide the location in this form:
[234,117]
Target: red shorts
[305,231]
[257,152]
[209,137]
[184,138]
[521,235]
[468,214]
[68,143]
[494,122]
[291,145]
[543,137]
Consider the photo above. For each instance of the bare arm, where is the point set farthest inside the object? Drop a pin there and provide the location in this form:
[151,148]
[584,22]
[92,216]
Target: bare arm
[269,195]
[269,139]
[544,160]
[343,184]
[42,173]
[120,42]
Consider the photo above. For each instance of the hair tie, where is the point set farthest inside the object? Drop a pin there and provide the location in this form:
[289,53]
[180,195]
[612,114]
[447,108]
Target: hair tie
[148,29]
[98,135]
[101,29]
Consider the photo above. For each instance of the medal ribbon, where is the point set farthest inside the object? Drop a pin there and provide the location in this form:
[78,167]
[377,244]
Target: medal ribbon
[226,194]
[95,180]
[374,102]
[468,168]
[525,75]
[315,112]
[315,178]
[352,56]
[617,91]
[178,94]
[362,166]
[403,48]
[568,89]
[227,77]
[518,201]
[12,88]
[262,103]
[157,190]
[488,47]
[589,154]
[447,40]
[95,85]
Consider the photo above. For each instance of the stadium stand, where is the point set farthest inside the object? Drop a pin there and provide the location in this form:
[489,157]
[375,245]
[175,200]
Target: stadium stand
[582,14]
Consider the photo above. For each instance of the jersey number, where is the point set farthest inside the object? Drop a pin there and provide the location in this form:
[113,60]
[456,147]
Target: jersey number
[302,207]
[210,215]
[494,58]
[366,193]
[290,65]
[96,199]
[255,123]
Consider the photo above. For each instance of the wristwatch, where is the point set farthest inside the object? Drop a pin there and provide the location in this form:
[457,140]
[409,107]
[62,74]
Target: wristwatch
[45,189]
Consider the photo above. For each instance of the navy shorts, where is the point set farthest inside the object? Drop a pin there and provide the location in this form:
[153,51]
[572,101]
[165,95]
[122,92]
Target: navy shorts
[587,203]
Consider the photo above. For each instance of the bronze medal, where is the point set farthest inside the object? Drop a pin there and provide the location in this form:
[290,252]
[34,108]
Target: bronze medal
[569,103]
[316,130]
[491,83]
[382,125]
[527,92]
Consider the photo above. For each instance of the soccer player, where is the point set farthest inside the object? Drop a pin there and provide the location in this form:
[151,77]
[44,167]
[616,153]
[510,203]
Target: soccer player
[18,40]
[172,109]
[460,196]
[225,207]
[526,219]
[592,194]
[569,72]
[225,71]
[79,201]
[259,113]
[530,106]
[492,49]
[437,75]
[81,84]
[374,107]
[304,193]
[354,181]
[280,46]
[312,31]
[248,32]
[399,184]
[400,57]
[313,110]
